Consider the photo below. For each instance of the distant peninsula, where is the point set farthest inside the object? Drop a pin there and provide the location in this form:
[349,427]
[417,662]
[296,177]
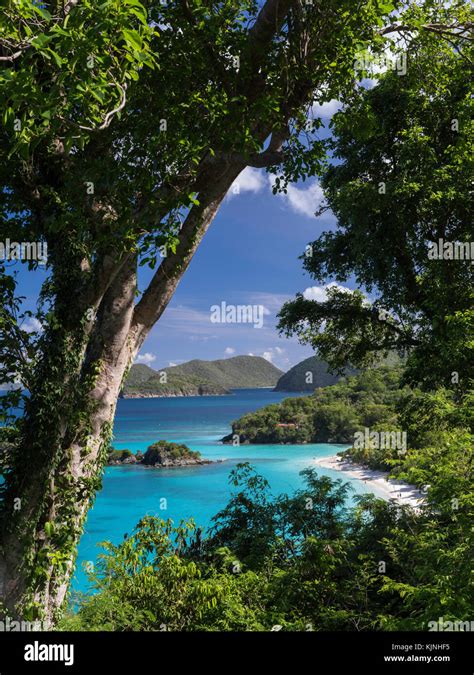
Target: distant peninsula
[160,455]
[201,378]
[313,373]
[330,415]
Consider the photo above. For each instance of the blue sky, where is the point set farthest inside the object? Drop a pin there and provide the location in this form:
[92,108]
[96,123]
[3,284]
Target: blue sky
[249,256]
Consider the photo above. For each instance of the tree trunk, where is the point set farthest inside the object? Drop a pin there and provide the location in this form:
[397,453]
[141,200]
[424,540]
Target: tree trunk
[58,466]
[57,469]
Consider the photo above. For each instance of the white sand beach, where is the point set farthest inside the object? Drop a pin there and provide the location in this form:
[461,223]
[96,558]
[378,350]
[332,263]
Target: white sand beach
[403,493]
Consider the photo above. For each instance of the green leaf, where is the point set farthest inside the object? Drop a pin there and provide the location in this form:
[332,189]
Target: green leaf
[132,37]
[41,11]
[56,57]
[41,40]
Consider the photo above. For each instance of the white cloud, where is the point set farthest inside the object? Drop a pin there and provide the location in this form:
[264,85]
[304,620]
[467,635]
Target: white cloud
[229,351]
[146,358]
[320,293]
[326,110]
[195,325]
[305,200]
[32,325]
[277,356]
[250,180]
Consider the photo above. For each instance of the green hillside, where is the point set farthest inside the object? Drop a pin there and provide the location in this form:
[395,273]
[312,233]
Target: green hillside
[236,372]
[201,378]
[330,415]
[138,375]
[307,376]
[313,373]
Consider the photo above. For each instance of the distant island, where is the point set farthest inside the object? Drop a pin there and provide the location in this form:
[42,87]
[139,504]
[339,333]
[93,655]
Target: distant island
[160,455]
[201,378]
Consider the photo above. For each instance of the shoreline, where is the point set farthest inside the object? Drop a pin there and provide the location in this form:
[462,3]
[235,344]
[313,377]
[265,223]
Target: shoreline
[403,493]
[230,392]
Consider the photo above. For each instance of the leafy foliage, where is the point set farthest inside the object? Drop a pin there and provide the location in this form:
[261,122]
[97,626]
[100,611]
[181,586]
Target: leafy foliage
[304,562]
[67,66]
[331,415]
[399,181]
[165,449]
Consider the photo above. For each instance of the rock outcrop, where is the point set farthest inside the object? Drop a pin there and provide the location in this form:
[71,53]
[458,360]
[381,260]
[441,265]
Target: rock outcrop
[161,454]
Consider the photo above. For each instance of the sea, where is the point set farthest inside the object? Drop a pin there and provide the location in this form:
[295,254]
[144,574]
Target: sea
[198,492]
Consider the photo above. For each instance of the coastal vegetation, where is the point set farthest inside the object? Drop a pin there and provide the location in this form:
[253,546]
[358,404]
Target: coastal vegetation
[331,415]
[312,560]
[166,454]
[295,563]
[172,384]
[121,456]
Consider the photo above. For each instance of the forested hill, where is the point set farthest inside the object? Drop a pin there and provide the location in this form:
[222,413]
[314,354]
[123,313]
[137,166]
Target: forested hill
[331,415]
[199,378]
[308,376]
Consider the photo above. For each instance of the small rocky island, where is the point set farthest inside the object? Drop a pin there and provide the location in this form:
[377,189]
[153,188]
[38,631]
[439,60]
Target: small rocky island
[160,455]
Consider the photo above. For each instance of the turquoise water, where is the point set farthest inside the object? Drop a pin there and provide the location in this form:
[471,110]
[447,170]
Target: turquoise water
[130,492]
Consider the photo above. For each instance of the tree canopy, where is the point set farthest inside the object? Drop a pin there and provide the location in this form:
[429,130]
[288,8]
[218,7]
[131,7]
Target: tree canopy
[399,183]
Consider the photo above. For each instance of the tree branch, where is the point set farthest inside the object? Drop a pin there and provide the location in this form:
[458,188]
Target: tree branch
[453,30]
[22,47]
[108,116]
[165,280]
